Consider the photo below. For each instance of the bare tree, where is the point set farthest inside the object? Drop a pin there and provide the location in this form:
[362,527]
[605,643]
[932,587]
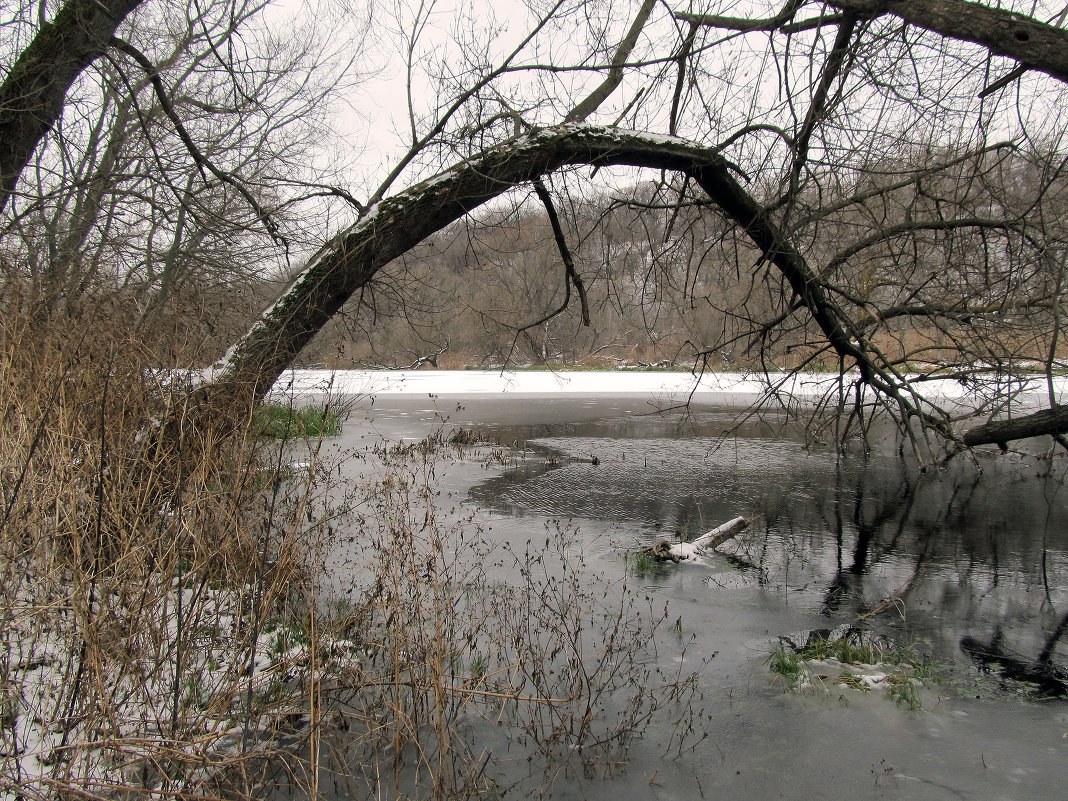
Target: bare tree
[35,87]
[175,173]
[892,189]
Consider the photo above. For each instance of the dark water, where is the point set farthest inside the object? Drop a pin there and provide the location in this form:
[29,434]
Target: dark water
[985,548]
[975,556]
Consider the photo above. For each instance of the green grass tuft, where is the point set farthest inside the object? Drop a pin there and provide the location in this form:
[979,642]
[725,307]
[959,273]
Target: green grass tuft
[785,663]
[902,691]
[640,562]
[282,421]
[905,669]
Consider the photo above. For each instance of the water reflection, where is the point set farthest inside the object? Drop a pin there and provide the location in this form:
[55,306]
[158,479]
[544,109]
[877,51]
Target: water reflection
[1049,680]
[972,562]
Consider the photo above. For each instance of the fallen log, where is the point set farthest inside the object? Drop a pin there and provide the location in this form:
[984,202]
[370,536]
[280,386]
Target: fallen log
[666,551]
[1052,421]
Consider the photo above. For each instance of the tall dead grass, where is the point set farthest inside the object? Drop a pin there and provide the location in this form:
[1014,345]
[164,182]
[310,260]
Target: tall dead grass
[486,667]
[166,632]
[140,574]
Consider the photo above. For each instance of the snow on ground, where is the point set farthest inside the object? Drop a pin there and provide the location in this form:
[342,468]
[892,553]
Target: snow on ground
[721,387]
[39,751]
[534,382]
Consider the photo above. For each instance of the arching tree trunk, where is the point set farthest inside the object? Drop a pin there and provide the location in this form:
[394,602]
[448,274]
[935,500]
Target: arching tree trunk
[394,226]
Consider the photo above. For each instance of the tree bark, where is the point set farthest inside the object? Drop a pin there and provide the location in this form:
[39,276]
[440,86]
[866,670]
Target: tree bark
[394,226]
[1032,43]
[33,92]
[1046,422]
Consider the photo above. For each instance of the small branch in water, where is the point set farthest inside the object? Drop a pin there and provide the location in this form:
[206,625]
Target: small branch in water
[665,551]
[894,599]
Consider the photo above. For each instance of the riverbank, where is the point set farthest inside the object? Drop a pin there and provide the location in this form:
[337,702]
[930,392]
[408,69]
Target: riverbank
[655,390]
[966,554]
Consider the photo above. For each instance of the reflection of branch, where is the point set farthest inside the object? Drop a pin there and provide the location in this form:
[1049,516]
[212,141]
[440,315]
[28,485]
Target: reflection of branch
[1050,679]
[199,158]
[1046,655]
[895,597]
[565,253]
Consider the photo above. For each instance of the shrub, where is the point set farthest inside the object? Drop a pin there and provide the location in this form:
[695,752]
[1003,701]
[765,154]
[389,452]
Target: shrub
[163,597]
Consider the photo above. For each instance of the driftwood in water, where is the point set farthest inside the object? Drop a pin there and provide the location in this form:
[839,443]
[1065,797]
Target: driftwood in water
[1051,421]
[665,551]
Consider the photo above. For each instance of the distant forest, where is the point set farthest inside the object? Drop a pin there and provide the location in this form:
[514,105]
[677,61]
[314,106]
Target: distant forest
[668,282]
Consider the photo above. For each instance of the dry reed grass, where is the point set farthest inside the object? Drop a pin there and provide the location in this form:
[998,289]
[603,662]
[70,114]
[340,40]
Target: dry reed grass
[139,574]
[485,668]
[166,632]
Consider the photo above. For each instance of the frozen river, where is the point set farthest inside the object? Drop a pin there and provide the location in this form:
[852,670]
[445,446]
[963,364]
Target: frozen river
[978,561]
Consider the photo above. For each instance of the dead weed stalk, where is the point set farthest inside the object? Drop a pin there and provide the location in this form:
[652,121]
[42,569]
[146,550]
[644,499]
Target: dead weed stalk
[143,580]
[171,625]
[484,667]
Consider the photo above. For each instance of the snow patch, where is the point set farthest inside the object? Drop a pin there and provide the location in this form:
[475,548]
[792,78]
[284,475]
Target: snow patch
[667,387]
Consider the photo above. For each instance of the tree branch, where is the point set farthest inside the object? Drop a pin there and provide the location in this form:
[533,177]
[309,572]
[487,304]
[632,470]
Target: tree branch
[1036,45]
[680,78]
[743,24]
[565,252]
[34,90]
[1005,33]
[593,101]
[202,161]
[891,231]
[831,70]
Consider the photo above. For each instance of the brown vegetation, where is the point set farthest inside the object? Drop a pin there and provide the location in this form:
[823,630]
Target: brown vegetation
[171,627]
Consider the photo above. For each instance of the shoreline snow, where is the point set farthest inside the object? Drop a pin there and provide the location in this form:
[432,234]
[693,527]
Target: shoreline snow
[707,387]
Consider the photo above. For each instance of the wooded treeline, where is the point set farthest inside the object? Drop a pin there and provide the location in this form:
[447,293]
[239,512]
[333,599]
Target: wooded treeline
[671,283]
[154,200]
[874,188]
